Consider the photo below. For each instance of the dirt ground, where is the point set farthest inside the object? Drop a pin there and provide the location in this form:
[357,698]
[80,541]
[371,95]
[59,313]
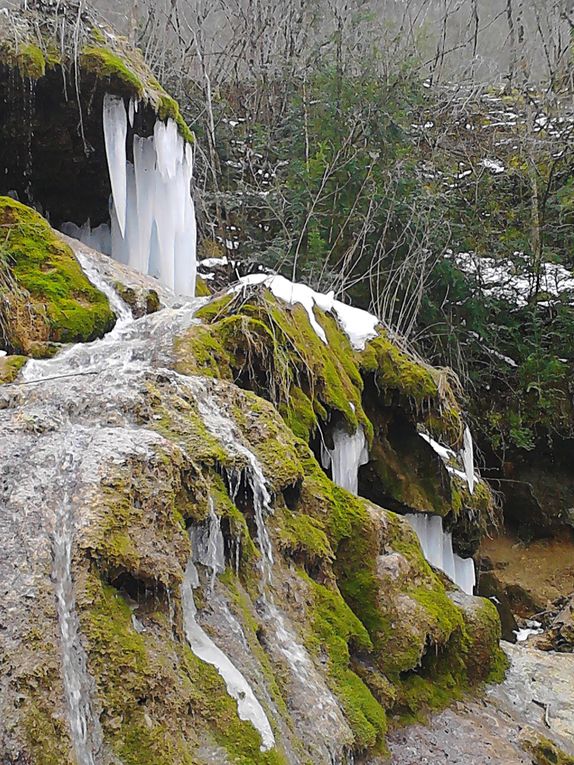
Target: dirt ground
[544,569]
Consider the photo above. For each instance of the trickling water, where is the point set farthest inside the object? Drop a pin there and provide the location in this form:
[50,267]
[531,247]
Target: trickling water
[248,708]
[224,429]
[348,454]
[308,683]
[85,729]
[437,548]
[133,345]
[207,547]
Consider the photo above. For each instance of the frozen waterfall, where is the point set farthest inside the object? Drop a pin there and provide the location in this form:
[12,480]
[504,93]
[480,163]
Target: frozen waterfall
[346,457]
[152,215]
[248,708]
[437,548]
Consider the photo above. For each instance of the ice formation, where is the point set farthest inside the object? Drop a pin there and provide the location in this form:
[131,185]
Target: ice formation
[437,548]
[468,459]
[152,214]
[358,325]
[348,454]
[248,708]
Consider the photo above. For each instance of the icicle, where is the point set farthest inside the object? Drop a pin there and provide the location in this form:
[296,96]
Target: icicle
[468,459]
[153,227]
[346,457]
[436,545]
[115,135]
[248,708]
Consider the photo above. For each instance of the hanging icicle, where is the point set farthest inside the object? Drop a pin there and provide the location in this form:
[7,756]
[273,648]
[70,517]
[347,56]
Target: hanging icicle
[152,215]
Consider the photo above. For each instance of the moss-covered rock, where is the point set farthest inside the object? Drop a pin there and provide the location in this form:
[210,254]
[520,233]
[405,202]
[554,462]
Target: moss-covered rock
[262,344]
[543,750]
[44,293]
[10,367]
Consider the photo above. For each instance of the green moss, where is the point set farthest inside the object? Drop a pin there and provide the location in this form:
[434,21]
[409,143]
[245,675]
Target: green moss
[299,414]
[9,368]
[213,705]
[31,61]
[334,629]
[169,109]
[200,352]
[107,65]
[273,350]
[46,269]
[201,288]
[301,536]
[544,751]
[396,370]
[47,736]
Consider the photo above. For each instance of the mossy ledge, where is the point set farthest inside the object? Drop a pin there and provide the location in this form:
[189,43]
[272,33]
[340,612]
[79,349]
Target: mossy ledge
[44,295]
[63,39]
[260,343]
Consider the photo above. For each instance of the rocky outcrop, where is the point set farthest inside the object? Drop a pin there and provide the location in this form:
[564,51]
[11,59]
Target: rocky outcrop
[322,600]
[57,62]
[527,720]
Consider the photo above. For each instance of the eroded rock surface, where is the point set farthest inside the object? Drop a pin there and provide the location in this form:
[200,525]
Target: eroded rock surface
[537,697]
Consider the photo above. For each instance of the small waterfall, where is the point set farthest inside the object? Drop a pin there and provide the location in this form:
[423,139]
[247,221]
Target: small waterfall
[437,548]
[85,728]
[248,708]
[348,454]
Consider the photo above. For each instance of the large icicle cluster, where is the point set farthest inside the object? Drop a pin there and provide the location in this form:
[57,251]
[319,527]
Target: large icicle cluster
[349,452]
[152,214]
[437,548]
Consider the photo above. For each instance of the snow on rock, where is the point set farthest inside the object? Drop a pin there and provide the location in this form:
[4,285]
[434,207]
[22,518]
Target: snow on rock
[357,324]
[211,262]
[510,279]
[493,165]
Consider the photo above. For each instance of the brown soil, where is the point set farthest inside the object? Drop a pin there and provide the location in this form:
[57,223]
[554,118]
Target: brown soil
[543,570]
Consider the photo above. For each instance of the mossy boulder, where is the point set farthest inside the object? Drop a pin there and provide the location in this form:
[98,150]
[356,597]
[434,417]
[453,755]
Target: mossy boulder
[10,367]
[45,296]
[260,343]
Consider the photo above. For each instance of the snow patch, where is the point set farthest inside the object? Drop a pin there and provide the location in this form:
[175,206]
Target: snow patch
[358,325]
